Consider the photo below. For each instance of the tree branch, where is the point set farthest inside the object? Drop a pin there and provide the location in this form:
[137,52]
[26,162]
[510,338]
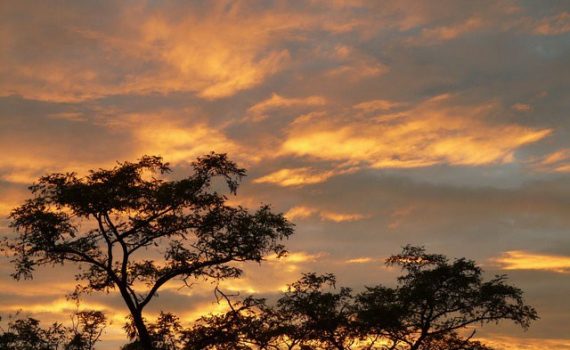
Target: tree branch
[181,271]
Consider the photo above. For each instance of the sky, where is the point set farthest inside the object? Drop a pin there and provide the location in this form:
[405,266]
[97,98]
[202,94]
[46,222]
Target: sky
[370,124]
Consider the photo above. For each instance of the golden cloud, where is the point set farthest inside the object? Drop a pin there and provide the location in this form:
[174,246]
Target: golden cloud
[151,51]
[258,111]
[178,143]
[363,260]
[512,343]
[376,105]
[521,260]
[303,212]
[433,132]
[300,212]
[57,306]
[558,161]
[296,177]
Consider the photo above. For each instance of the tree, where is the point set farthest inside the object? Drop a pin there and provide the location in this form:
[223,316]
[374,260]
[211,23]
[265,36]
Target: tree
[108,220]
[435,299]
[165,333]
[313,313]
[87,327]
[249,324]
[27,334]
[429,309]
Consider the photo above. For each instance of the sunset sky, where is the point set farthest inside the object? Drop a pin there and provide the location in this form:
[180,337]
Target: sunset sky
[371,124]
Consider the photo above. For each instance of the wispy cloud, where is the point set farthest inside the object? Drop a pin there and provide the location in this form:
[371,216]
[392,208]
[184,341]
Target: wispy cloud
[296,177]
[523,260]
[304,212]
[259,111]
[433,132]
[557,161]
[554,25]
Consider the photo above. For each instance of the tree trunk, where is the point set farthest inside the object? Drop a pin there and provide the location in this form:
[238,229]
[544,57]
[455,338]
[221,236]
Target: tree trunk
[144,336]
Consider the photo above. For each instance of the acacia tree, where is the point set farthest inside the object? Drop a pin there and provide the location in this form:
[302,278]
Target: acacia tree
[106,220]
[86,329]
[27,334]
[311,314]
[433,303]
[435,299]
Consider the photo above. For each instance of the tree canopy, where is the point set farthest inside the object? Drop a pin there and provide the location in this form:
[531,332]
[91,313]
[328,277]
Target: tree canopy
[28,334]
[104,220]
[430,308]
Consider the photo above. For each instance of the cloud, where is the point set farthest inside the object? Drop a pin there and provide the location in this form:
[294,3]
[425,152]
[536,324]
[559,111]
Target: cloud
[303,212]
[558,161]
[433,132]
[181,144]
[143,50]
[513,343]
[295,177]
[431,35]
[353,66]
[522,107]
[259,111]
[363,260]
[398,215]
[376,105]
[523,260]
[554,25]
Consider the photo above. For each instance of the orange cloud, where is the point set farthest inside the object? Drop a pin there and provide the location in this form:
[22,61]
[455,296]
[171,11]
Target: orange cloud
[512,343]
[358,67]
[521,260]
[444,33]
[363,260]
[295,177]
[177,143]
[61,305]
[558,161]
[149,51]
[434,132]
[376,105]
[300,212]
[398,215]
[303,212]
[554,25]
[340,217]
[258,111]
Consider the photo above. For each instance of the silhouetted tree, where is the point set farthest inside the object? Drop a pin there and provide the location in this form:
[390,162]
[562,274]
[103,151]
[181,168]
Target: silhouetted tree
[429,309]
[435,299]
[27,334]
[87,327]
[102,221]
[249,324]
[165,333]
[313,313]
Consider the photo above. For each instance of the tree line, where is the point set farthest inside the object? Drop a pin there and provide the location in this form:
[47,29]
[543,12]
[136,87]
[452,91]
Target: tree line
[107,221]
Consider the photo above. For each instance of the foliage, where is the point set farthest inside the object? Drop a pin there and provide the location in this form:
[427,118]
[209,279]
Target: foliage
[433,303]
[27,333]
[87,328]
[435,298]
[165,333]
[104,220]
